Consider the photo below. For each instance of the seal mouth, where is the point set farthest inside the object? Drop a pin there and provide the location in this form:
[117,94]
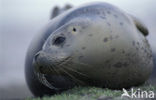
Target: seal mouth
[41,71]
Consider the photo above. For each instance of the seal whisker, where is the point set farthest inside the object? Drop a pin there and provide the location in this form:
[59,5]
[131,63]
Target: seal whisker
[73,77]
[82,64]
[53,69]
[76,71]
[68,68]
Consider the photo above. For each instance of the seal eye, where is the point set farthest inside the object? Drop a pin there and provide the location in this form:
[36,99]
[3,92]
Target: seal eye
[59,40]
[74,29]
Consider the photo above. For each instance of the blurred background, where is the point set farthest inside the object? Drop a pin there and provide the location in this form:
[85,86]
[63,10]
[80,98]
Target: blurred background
[20,20]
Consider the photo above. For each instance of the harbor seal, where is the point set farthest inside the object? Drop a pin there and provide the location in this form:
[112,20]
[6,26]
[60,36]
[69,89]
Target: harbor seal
[92,45]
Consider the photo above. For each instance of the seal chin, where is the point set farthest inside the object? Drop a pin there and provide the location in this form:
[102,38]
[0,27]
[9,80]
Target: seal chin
[45,63]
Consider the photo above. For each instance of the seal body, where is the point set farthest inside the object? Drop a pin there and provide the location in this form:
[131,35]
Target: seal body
[95,44]
[152,79]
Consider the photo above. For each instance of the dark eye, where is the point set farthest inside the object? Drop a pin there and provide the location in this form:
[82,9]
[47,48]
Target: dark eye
[74,29]
[59,40]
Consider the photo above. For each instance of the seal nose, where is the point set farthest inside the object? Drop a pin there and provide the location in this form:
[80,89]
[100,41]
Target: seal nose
[37,66]
[40,63]
[36,56]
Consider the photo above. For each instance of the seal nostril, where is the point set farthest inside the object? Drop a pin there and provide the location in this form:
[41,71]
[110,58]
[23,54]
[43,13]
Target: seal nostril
[74,29]
[36,56]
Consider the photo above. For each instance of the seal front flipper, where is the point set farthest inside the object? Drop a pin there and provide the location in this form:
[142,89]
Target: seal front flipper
[57,10]
[140,26]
